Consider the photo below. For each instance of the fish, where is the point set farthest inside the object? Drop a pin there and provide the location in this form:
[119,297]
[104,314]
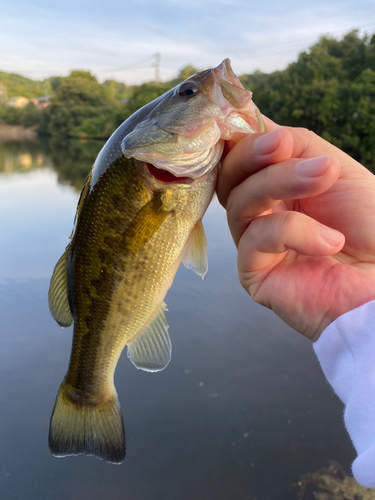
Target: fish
[138,216]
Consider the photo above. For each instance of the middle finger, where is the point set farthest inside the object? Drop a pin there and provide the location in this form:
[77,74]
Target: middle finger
[289,180]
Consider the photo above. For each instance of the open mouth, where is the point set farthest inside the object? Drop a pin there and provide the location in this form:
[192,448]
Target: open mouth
[165,176]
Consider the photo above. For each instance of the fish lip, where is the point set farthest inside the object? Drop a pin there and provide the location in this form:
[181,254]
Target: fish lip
[225,72]
[191,166]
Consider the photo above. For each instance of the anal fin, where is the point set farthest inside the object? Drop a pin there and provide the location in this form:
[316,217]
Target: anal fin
[151,350]
[195,256]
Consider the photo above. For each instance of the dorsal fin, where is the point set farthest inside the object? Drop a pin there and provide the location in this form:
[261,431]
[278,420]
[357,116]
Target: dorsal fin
[151,349]
[195,256]
[58,293]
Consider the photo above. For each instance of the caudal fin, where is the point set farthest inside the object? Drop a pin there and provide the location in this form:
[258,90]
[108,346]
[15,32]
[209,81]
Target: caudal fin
[91,429]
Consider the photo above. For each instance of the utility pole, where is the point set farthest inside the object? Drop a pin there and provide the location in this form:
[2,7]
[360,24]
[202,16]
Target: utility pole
[157,64]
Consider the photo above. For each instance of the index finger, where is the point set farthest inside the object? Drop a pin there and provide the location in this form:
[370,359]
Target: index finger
[270,125]
[250,155]
[243,160]
[307,144]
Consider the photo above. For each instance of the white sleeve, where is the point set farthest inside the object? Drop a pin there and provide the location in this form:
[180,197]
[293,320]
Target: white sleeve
[346,351]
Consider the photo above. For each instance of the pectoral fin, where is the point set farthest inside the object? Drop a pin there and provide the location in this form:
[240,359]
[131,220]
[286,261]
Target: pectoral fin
[151,349]
[195,256]
[145,224]
[58,294]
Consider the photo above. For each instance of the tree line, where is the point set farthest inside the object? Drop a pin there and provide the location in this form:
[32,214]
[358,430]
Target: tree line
[330,89]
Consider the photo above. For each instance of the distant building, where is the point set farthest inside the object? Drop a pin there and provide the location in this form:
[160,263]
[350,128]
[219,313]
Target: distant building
[41,102]
[18,102]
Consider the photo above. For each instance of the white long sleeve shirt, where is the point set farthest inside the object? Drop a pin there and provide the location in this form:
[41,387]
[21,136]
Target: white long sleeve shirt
[346,351]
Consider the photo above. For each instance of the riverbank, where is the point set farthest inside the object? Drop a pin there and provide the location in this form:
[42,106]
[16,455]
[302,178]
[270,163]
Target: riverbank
[16,133]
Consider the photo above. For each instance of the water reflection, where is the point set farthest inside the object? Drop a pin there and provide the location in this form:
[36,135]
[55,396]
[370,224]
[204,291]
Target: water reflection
[241,411]
[20,157]
[71,159]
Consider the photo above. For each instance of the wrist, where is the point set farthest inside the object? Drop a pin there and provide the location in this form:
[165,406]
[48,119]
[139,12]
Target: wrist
[339,310]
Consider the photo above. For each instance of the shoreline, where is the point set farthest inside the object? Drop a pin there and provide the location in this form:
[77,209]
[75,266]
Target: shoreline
[16,133]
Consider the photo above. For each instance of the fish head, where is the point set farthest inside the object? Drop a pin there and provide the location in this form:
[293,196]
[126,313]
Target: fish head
[184,130]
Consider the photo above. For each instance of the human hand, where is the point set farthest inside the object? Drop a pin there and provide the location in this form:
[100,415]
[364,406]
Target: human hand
[302,215]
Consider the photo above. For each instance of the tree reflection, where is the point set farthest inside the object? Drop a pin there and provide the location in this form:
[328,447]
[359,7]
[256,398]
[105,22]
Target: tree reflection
[18,156]
[72,159]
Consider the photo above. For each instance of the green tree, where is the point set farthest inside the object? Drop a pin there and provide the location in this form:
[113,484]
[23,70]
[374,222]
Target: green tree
[17,85]
[79,99]
[142,95]
[351,51]
[55,82]
[330,89]
[186,72]
[118,90]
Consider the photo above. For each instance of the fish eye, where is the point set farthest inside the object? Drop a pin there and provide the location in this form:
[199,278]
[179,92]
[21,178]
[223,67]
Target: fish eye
[188,89]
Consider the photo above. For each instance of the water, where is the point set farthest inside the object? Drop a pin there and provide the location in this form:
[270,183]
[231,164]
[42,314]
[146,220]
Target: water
[241,411]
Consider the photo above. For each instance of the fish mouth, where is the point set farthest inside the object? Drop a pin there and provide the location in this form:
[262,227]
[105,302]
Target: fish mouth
[166,177]
[184,165]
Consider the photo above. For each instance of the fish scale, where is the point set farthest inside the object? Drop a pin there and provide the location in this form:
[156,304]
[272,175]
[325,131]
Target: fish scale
[93,242]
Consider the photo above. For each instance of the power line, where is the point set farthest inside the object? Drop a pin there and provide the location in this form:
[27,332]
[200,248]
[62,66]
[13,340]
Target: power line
[270,50]
[133,65]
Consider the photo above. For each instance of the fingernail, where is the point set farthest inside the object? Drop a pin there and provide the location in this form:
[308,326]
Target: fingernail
[267,143]
[331,236]
[313,167]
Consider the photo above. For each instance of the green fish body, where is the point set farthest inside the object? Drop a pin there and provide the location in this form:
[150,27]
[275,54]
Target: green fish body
[138,216]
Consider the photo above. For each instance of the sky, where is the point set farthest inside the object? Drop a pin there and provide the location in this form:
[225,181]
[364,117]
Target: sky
[119,39]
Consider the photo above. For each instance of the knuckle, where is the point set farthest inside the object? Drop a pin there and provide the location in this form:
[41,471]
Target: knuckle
[290,222]
[259,225]
[303,132]
[231,201]
[307,136]
[267,175]
[251,283]
[311,136]
[259,231]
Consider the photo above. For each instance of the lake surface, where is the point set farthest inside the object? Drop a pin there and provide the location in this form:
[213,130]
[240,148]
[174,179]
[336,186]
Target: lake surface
[240,412]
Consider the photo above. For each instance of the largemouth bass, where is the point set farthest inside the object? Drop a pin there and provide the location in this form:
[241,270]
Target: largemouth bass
[138,216]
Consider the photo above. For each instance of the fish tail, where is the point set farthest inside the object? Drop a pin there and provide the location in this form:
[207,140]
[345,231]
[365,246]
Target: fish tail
[96,430]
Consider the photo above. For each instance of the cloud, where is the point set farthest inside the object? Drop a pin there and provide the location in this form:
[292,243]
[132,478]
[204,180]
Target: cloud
[118,40]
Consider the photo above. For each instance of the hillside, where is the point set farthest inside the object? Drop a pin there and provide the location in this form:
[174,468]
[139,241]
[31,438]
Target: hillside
[16,85]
